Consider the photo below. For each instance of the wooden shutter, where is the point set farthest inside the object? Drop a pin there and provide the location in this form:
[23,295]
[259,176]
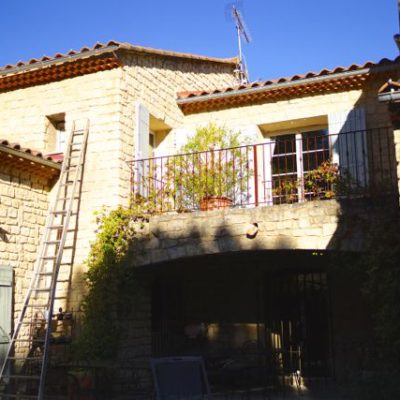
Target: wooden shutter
[142,132]
[349,144]
[266,184]
[6,274]
[142,135]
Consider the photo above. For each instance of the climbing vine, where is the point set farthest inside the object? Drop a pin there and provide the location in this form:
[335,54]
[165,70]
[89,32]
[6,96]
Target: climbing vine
[107,282]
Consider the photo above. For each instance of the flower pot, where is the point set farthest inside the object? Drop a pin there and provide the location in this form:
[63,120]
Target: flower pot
[214,203]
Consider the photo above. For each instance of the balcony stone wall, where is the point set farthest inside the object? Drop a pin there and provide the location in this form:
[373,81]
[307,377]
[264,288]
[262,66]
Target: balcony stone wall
[337,225]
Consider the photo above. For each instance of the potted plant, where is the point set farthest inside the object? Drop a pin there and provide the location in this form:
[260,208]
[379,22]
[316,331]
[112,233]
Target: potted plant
[322,181]
[211,171]
[286,191]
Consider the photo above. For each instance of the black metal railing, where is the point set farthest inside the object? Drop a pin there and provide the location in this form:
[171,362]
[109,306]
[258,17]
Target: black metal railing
[286,169]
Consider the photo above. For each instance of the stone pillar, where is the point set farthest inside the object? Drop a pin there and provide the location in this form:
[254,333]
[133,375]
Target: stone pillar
[394,110]
[396,138]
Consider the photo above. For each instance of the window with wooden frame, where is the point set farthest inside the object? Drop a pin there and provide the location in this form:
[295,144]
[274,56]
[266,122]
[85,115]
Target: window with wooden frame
[294,155]
[56,137]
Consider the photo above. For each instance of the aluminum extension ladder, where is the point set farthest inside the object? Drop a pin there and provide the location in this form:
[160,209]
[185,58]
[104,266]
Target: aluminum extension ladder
[23,373]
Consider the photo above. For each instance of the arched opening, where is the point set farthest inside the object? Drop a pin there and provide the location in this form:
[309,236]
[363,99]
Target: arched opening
[253,316]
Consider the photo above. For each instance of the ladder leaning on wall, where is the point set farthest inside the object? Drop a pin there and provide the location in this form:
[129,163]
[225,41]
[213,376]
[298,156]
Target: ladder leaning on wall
[23,373]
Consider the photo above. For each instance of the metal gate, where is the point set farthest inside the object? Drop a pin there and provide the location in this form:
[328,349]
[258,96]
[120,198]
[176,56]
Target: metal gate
[297,322]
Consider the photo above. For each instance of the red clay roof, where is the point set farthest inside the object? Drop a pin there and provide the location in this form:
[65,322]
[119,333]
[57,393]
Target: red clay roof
[339,78]
[108,47]
[28,151]
[293,78]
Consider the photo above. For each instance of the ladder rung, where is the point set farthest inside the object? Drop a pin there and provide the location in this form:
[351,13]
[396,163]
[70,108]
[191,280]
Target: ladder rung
[59,212]
[25,358]
[19,396]
[52,242]
[56,226]
[37,322]
[67,198]
[41,290]
[48,258]
[69,183]
[40,307]
[34,377]
[36,340]
[45,274]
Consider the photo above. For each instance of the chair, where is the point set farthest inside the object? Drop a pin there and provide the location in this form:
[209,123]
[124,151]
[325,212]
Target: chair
[180,378]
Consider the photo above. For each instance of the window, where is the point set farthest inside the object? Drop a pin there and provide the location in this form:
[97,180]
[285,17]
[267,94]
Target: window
[295,155]
[56,138]
[61,137]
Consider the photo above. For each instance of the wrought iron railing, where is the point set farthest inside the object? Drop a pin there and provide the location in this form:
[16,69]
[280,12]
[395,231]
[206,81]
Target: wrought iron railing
[286,169]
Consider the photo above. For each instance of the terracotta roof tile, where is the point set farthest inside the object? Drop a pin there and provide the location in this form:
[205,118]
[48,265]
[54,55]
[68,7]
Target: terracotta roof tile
[27,150]
[114,45]
[324,72]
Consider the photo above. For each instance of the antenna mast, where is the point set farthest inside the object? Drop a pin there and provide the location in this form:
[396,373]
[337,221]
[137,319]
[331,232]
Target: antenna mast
[241,71]
[397,35]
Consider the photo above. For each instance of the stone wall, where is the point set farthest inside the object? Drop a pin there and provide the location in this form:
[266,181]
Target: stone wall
[154,81]
[23,211]
[95,97]
[107,99]
[316,225]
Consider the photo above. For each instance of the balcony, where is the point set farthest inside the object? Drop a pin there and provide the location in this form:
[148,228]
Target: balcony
[287,169]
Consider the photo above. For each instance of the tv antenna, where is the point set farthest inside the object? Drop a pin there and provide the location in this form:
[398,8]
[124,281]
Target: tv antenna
[241,70]
[397,35]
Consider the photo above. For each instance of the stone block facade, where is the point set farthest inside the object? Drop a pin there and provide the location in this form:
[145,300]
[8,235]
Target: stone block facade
[107,100]
[24,202]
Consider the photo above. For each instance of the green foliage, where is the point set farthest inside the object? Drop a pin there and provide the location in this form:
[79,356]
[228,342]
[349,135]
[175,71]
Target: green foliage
[212,165]
[105,278]
[321,181]
[378,271]
[382,286]
[211,137]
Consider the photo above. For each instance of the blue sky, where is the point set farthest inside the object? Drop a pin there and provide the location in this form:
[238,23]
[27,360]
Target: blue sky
[289,36]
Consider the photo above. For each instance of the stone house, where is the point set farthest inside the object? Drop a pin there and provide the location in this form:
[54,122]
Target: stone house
[218,282]
[27,177]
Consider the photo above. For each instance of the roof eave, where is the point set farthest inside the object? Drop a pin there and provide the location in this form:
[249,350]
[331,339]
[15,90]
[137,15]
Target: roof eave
[57,61]
[30,157]
[389,97]
[274,86]
[283,85]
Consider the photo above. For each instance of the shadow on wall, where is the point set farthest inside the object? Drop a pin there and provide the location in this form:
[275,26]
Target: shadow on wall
[3,235]
[371,222]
